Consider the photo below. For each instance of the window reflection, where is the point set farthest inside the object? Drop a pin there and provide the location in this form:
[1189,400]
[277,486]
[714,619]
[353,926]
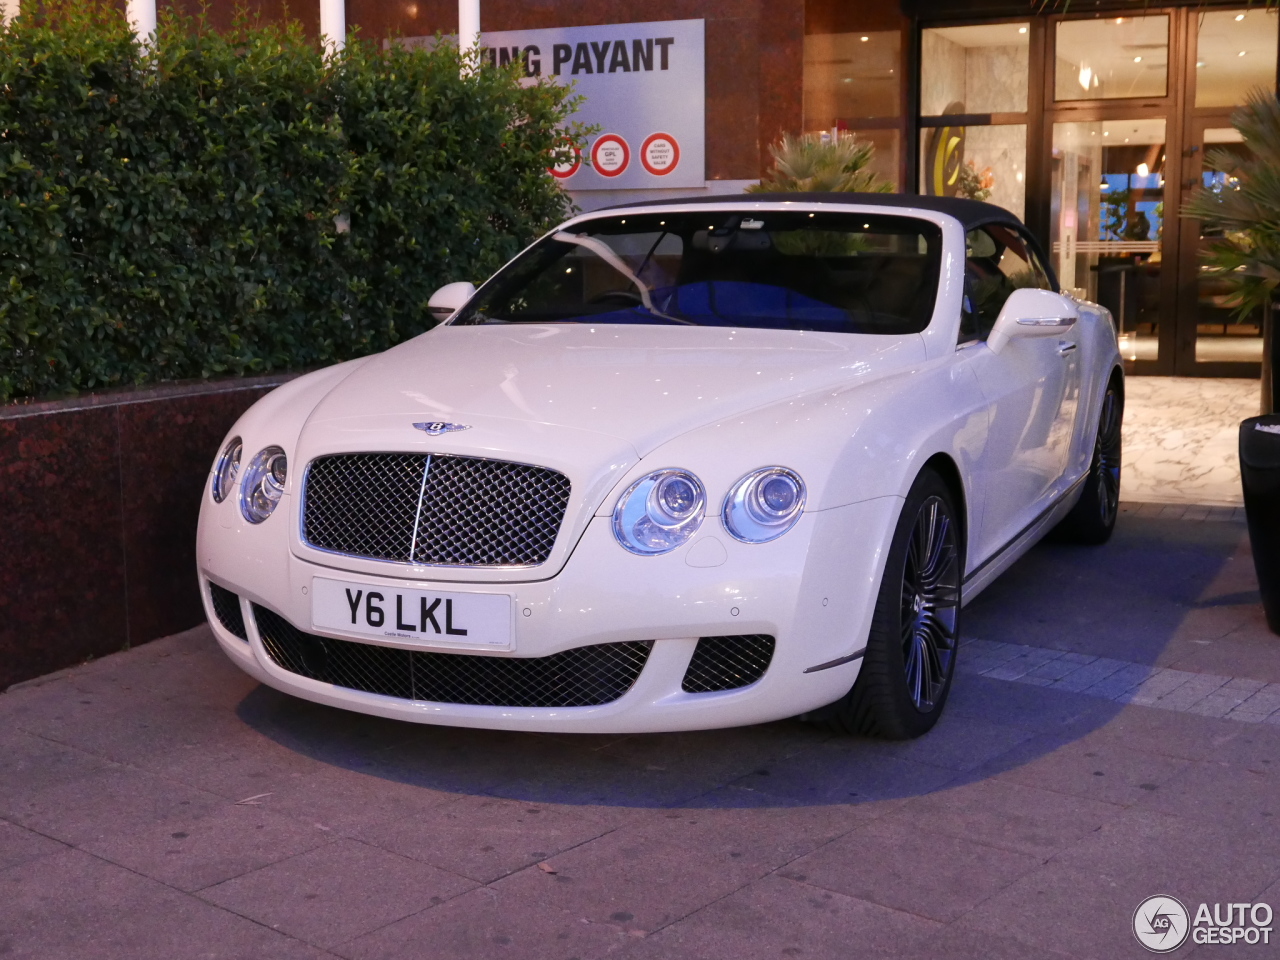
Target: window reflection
[1235,53]
[1112,58]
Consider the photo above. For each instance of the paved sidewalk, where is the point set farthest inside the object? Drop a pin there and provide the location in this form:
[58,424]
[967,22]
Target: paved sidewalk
[160,804]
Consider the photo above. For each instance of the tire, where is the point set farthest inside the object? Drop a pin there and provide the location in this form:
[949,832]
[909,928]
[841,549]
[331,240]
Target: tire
[915,630]
[1093,517]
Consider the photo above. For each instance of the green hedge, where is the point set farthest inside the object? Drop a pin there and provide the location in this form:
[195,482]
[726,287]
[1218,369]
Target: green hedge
[224,204]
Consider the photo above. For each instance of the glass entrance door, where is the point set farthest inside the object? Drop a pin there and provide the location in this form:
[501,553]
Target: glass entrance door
[1233,54]
[1214,334]
[1095,130]
[1111,109]
[1107,222]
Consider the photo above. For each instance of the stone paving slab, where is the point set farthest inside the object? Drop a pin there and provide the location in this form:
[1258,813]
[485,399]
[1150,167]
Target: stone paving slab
[160,804]
[1235,698]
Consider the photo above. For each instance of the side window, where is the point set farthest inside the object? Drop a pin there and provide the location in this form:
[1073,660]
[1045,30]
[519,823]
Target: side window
[997,262]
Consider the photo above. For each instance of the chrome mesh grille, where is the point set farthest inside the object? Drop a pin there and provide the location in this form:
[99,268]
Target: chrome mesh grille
[727,663]
[226,607]
[430,509]
[582,677]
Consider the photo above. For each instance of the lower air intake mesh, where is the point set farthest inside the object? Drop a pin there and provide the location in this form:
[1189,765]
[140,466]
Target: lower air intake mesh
[727,663]
[226,607]
[582,677]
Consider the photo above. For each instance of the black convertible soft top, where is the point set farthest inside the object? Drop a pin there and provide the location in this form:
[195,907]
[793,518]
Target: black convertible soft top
[971,213]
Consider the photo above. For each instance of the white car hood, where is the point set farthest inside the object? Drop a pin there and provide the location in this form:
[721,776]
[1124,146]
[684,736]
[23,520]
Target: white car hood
[642,384]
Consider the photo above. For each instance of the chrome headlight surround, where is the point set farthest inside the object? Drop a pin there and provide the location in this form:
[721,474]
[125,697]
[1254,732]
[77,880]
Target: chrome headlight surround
[659,512]
[226,469]
[263,484]
[764,504]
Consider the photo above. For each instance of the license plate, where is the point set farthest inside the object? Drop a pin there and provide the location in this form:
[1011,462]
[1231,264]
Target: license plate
[427,617]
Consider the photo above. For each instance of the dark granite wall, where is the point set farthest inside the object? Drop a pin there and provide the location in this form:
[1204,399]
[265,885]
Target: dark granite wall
[99,497]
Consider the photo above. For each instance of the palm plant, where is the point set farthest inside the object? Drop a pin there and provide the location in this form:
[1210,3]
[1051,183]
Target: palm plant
[812,163]
[1241,211]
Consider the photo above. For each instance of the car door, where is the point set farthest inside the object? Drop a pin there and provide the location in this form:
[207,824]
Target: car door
[1032,389]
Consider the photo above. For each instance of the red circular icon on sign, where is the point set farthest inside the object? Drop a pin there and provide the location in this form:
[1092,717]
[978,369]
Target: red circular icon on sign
[660,154]
[565,170]
[610,155]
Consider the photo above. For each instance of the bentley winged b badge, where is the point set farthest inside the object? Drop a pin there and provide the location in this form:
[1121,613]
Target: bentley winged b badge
[437,427]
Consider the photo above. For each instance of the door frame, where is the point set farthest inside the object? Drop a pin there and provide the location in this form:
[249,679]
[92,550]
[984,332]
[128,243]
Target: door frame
[1169,108]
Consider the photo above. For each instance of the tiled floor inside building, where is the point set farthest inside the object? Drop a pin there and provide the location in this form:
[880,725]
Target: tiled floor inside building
[1180,436]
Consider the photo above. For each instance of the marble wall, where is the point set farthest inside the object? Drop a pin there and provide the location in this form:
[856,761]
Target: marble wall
[100,497]
[982,79]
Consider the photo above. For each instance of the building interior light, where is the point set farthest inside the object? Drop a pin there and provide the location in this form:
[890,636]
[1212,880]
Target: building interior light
[1143,170]
[1119,19]
[1199,63]
[1022,29]
[864,39]
[1241,53]
[1086,74]
[1239,17]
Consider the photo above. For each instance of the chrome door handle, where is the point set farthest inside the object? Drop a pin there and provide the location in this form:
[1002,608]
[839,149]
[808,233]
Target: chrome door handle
[1065,347]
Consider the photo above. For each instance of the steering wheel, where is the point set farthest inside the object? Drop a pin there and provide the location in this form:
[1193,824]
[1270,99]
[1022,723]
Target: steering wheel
[630,296]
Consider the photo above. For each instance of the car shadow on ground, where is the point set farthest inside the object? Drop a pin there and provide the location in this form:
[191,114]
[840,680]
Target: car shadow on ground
[1160,593]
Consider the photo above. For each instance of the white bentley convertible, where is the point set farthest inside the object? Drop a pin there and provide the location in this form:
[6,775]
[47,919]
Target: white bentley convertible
[676,466]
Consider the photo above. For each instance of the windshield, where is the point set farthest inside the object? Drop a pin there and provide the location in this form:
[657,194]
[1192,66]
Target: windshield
[785,270]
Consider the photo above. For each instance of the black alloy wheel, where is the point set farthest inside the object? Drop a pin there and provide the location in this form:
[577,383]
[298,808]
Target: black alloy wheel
[911,651]
[1105,472]
[930,605]
[1093,517]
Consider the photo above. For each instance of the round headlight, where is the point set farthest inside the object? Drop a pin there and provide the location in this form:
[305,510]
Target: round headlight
[263,484]
[659,512]
[764,505]
[226,469]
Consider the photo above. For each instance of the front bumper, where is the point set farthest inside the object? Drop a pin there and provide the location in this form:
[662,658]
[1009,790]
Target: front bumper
[813,590]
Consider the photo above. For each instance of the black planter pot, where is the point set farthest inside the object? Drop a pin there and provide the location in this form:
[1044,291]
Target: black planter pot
[1260,476]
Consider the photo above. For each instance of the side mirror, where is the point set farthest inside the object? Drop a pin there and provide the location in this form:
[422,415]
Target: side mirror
[449,299]
[1032,313]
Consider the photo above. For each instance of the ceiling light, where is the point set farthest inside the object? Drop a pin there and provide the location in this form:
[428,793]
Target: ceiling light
[1119,19]
[1104,185]
[1239,17]
[1199,63]
[1086,74]
[1137,59]
[864,39]
[1022,29]
[1106,133]
[1143,170]
[1241,53]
